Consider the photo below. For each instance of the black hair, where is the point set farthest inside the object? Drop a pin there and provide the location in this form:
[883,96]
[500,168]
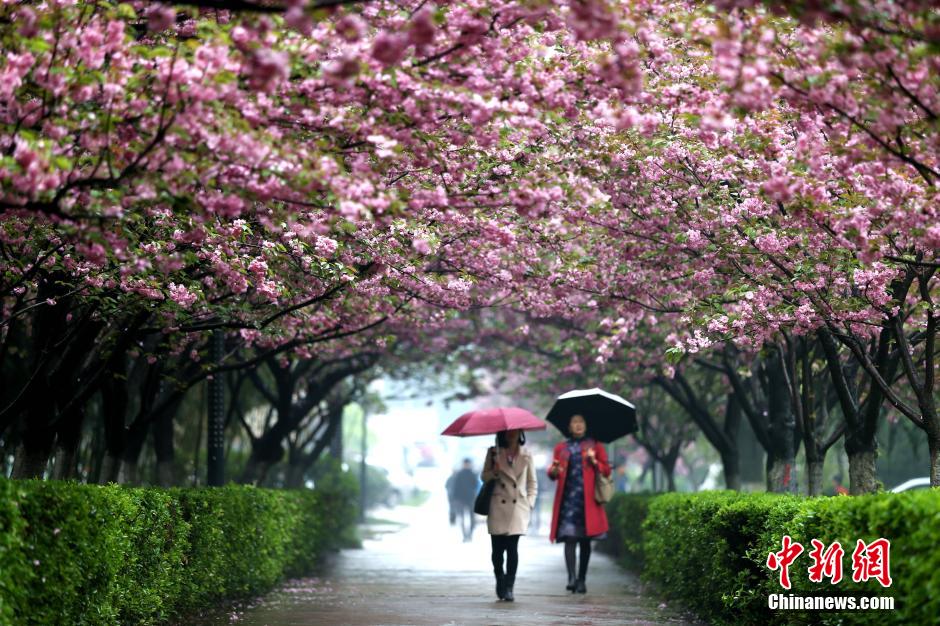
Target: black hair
[502,442]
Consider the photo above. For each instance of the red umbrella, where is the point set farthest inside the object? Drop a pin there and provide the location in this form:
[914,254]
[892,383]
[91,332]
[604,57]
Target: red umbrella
[490,421]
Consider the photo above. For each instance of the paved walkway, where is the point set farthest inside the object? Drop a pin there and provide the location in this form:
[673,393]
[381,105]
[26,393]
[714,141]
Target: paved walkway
[422,574]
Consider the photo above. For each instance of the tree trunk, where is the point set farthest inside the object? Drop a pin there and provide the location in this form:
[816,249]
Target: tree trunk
[731,455]
[129,473]
[780,475]
[268,449]
[164,450]
[722,437]
[336,441]
[110,469]
[294,477]
[934,446]
[732,469]
[114,398]
[6,450]
[68,438]
[95,456]
[134,445]
[670,477]
[37,436]
[781,463]
[256,471]
[863,477]
[166,474]
[32,457]
[814,477]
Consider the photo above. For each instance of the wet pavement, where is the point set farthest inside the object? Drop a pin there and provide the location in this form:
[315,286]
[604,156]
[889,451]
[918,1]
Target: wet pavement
[417,572]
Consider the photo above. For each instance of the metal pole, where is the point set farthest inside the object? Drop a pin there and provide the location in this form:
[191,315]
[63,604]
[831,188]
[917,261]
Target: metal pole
[215,444]
[362,467]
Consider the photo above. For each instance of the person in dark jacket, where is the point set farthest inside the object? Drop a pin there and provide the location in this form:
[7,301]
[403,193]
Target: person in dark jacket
[463,493]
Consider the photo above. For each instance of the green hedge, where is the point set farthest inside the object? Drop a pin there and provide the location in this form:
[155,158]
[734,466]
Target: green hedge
[12,566]
[626,513]
[87,554]
[709,551]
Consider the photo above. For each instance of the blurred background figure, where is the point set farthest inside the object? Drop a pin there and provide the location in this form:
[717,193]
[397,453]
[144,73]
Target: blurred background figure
[463,491]
[621,478]
[838,489]
[545,486]
[451,505]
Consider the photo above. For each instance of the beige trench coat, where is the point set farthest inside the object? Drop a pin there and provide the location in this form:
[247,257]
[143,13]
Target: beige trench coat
[513,494]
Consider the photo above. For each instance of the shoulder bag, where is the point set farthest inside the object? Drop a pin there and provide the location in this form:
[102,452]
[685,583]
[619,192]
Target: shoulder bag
[481,505]
[603,488]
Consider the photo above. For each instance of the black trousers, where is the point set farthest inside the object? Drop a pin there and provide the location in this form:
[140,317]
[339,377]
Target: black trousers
[467,519]
[510,545]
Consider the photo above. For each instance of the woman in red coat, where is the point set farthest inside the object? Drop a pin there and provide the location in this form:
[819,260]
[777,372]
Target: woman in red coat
[577,518]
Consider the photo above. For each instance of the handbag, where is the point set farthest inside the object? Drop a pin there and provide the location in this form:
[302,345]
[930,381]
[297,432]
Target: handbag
[481,505]
[603,488]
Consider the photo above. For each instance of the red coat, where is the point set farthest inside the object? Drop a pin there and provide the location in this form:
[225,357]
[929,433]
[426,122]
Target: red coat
[595,518]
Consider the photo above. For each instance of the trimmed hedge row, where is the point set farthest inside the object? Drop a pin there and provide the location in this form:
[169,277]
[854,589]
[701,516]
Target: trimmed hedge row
[626,514]
[709,550]
[88,554]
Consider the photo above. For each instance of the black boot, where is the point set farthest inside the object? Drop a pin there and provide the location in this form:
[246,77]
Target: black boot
[500,585]
[579,586]
[510,581]
[571,580]
[569,563]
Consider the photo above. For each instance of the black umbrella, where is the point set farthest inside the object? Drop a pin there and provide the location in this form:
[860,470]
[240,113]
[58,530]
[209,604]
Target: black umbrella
[608,416]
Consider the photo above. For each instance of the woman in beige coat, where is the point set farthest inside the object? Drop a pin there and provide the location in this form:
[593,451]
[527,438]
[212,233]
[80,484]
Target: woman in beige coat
[511,504]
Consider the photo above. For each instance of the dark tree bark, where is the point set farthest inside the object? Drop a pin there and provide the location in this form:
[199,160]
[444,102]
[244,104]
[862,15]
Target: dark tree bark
[730,458]
[114,412]
[810,403]
[880,361]
[722,436]
[781,456]
[861,418]
[268,449]
[765,400]
[164,449]
[31,457]
[68,439]
[322,436]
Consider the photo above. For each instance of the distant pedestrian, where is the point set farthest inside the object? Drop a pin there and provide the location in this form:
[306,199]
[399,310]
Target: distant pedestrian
[621,479]
[544,487]
[464,491]
[838,489]
[513,469]
[577,518]
[451,506]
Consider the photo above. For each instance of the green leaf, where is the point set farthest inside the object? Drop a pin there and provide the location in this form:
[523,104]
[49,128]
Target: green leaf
[224,77]
[126,12]
[674,355]
[62,162]
[37,45]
